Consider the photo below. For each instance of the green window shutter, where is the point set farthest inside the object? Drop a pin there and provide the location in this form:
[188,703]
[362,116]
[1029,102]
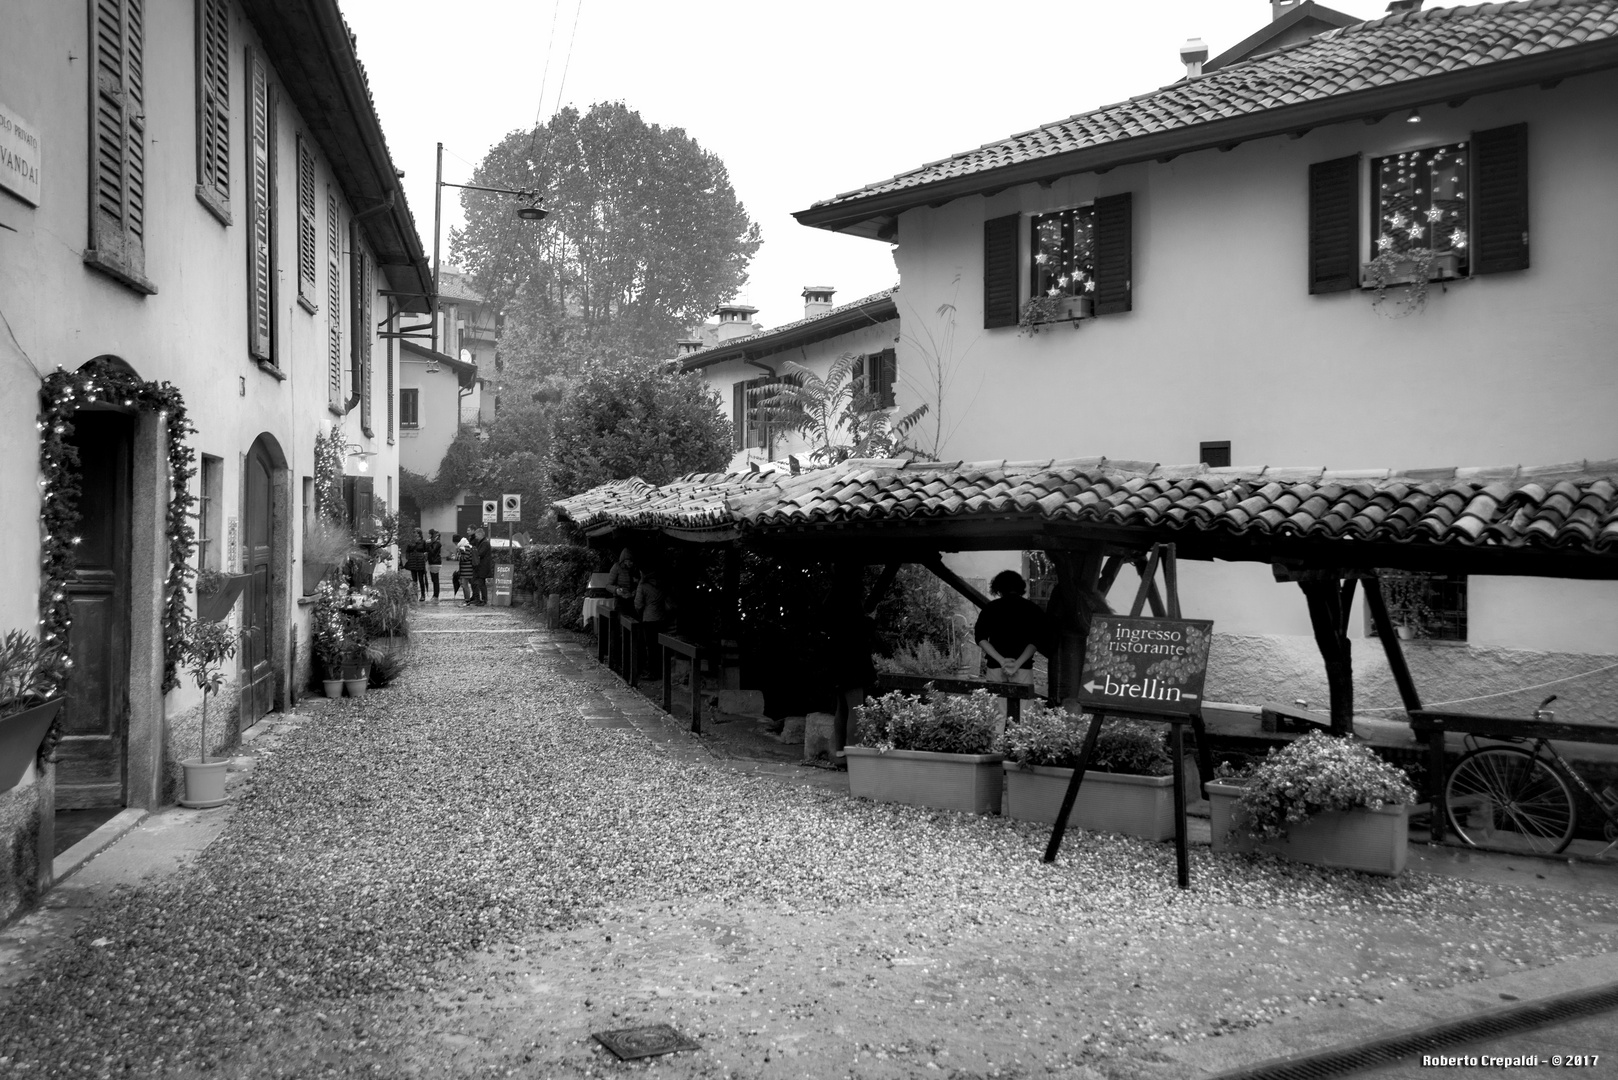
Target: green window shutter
[334,305]
[738,414]
[1334,225]
[885,373]
[1114,254]
[1000,271]
[118,135]
[213,101]
[308,233]
[260,308]
[1500,200]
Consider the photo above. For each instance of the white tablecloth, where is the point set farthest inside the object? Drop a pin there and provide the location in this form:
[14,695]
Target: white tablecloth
[593,606]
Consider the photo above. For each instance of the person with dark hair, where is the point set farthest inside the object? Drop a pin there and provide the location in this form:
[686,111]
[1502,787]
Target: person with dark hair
[455,541]
[1008,630]
[415,561]
[483,565]
[435,560]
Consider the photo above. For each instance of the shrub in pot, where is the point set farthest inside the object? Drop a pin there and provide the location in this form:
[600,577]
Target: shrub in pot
[1330,801]
[935,752]
[28,710]
[205,645]
[1128,787]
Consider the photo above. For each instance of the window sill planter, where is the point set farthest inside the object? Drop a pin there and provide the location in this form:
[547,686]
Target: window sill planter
[967,782]
[215,606]
[1443,268]
[20,737]
[1122,803]
[1373,841]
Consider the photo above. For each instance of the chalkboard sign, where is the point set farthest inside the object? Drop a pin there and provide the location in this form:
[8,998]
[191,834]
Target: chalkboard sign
[1154,666]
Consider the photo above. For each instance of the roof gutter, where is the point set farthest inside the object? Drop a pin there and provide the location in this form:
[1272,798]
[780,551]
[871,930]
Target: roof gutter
[862,217]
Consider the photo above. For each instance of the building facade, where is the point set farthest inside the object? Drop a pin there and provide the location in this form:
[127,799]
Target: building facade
[212,223]
[1205,258]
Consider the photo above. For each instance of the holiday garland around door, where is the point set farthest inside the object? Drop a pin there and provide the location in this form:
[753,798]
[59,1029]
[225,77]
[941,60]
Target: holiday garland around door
[61,397]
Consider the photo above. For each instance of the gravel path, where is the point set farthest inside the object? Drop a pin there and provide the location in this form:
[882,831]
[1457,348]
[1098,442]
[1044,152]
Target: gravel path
[462,876]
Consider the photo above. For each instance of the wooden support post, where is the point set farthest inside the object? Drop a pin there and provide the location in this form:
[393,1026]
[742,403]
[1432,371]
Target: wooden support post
[1436,764]
[847,604]
[1182,856]
[1078,572]
[955,581]
[1072,794]
[1109,574]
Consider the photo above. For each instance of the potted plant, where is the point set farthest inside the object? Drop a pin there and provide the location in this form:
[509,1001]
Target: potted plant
[1413,268]
[357,606]
[204,647]
[217,593]
[1040,311]
[27,708]
[1405,593]
[327,630]
[936,753]
[1128,787]
[1227,824]
[1330,801]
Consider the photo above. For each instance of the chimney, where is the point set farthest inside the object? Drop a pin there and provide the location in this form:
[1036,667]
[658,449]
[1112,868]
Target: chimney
[816,300]
[735,320]
[686,346]
[1279,8]
[1404,5]
[1193,54]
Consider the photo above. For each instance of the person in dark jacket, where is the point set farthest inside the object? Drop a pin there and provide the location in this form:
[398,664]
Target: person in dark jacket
[1008,629]
[435,559]
[483,566]
[415,561]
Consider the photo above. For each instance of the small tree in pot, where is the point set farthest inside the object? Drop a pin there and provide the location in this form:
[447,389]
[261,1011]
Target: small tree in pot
[205,645]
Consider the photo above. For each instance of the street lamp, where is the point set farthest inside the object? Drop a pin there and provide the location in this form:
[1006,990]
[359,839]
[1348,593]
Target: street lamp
[529,211]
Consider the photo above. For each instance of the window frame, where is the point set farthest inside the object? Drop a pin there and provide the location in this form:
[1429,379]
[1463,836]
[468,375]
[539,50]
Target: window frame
[1462,252]
[410,409]
[210,502]
[1446,621]
[213,107]
[1211,449]
[1028,256]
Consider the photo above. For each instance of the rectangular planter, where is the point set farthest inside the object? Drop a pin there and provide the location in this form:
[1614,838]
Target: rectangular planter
[1123,803]
[969,782]
[1375,841]
[1444,267]
[20,737]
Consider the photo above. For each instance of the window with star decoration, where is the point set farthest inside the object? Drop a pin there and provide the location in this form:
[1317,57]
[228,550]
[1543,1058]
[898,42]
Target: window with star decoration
[1421,201]
[1063,248]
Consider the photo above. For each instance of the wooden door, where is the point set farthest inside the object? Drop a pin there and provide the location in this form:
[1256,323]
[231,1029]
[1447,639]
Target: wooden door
[258,621]
[91,767]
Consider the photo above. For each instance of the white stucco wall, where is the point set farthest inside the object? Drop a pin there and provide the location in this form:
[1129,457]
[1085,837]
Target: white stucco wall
[1225,343]
[193,331]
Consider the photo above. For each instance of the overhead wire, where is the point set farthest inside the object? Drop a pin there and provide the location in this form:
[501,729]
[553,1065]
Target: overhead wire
[545,72]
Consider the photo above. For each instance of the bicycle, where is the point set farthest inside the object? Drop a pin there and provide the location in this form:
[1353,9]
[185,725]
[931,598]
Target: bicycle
[1520,800]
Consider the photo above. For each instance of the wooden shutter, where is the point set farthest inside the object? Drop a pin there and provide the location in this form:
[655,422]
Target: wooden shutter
[259,303]
[308,234]
[359,346]
[1500,200]
[118,136]
[738,414]
[1334,225]
[334,306]
[1001,273]
[884,373]
[213,104]
[1114,254]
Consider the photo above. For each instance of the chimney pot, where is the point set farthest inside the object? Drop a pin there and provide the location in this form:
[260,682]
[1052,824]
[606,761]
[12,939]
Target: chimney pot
[735,320]
[1193,54]
[1404,5]
[1279,8]
[817,300]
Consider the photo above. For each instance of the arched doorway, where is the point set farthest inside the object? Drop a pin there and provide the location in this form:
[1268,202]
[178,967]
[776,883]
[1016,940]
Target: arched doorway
[93,759]
[260,622]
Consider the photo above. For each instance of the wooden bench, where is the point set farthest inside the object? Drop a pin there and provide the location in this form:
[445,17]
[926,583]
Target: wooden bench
[673,646]
[1014,694]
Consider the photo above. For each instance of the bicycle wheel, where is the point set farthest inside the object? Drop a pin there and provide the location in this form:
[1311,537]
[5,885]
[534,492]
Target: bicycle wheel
[1503,797]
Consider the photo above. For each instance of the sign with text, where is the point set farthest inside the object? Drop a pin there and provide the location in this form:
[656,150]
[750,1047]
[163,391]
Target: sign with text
[1145,665]
[501,596]
[491,512]
[19,156]
[511,507]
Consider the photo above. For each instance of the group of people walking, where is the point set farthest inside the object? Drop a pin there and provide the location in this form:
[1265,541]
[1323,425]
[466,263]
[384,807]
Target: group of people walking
[471,556]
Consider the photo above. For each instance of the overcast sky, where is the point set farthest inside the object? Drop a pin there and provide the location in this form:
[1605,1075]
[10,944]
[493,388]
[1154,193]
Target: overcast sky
[801,101]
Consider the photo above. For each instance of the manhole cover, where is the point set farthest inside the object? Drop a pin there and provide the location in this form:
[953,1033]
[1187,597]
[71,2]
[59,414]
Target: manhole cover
[631,1043]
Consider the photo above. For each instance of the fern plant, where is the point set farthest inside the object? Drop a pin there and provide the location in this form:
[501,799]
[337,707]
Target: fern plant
[839,415]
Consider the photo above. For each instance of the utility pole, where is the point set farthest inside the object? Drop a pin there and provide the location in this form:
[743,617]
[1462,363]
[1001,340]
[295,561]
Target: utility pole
[438,213]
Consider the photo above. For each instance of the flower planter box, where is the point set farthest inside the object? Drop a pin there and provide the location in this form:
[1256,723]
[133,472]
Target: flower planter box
[215,606]
[20,737]
[968,782]
[1122,803]
[1375,841]
[1443,268]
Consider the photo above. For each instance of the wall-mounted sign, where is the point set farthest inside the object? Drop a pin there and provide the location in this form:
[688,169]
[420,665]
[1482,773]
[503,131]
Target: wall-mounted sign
[19,156]
[1145,665]
[491,511]
[511,507]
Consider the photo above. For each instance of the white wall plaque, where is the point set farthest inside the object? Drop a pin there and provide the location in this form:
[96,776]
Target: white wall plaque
[19,156]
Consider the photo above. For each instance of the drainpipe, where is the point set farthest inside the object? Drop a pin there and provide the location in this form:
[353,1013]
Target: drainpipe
[385,205]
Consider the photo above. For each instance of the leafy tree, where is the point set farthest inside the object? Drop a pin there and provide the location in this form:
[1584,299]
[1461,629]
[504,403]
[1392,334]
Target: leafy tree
[645,234]
[635,418]
[837,414]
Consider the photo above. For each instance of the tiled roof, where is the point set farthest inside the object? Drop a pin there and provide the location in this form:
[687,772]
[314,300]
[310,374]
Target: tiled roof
[786,334]
[1571,507]
[1396,49]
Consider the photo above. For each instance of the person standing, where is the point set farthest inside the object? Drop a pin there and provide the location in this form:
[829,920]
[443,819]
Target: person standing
[623,579]
[415,561]
[653,607]
[468,560]
[1008,630]
[483,566]
[435,559]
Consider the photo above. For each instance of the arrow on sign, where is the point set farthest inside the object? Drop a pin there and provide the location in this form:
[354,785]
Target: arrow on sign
[1090,687]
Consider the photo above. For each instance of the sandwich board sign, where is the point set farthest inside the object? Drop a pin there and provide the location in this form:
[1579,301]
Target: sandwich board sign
[1136,665]
[511,508]
[491,512]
